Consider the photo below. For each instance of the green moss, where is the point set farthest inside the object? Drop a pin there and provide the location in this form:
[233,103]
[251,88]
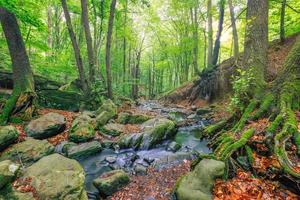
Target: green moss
[249,153]
[212,129]
[224,144]
[246,116]
[9,106]
[264,107]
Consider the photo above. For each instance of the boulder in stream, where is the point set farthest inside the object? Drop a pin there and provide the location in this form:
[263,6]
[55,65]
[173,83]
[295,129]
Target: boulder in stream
[8,171]
[28,152]
[198,184]
[84,149]
[82,129]
[111,182]
[8,135]
[46,126]
[128,118]
[173,146]
[57,177]
[112,129]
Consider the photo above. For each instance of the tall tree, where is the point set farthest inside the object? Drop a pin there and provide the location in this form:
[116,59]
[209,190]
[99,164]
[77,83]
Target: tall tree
[88,38]
[282,19]
[194,19]
[21,101]
[76,49]
[108,47]
[209,34]
[256,41]
[219,33]
[234,31]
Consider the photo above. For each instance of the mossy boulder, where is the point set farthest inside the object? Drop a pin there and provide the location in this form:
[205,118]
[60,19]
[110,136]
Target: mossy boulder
[8,135]
[8,171]
[57,177]
[83,150]
[111,182]
[128,118]
[29,151]
[154,132]
[82,129]
[198,184]
[203,111]
[46,126]
[112,129]
[106,112]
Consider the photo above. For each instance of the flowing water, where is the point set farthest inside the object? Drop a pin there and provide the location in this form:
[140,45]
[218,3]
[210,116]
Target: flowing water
[137,161]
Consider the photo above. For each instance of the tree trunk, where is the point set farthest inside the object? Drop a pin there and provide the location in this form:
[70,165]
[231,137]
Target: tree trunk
[194,19]
[49,23]
[234,31]
[108,47]
[124,47]
[219,33]
[209,35]
[22,99]
[256,42]
[282,17]
[76,48]
[89,41]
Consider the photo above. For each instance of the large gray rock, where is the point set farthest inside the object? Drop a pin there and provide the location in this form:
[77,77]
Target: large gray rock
[28,152]
[198,184]
[46,126]
[56,177]
[111,182]
[85,149]
[8,135]
[8,171]
[154,132]
[106,112]
[82,129]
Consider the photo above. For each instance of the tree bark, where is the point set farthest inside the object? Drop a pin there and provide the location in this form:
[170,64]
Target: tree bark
[89,41]
[49,23]
[209,35]
[282,19]
[108,47]
[22,99]
[77,53]
[219,33]
[194,19]
[256,42]
[234,31]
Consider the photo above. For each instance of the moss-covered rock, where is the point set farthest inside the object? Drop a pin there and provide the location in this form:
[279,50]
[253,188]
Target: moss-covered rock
[106,112]
[198,184]
[8,171]
[46,126]
[82,129]
[112,129]
[128,118]
[111,182]
[8,135]
[57,177]
[82,150]
[28,152]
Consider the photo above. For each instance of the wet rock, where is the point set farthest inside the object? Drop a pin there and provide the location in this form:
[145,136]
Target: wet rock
[111,182]
[8,171]
[199,183]
[106,112]
[108,144]
[82,129]
[57,177]
[111,159]
[172,158]
[202,111]
[112,129]
[149,160]
[84,149]
[192,116]
[8,135]
[140,170]
[173,146]
[128,118]
[46,126]
[29,151]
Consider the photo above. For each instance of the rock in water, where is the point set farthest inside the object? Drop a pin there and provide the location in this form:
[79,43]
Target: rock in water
[82,129]
[198,184]
[8,135]
[83,150]
[56,177]
[8,171]
[46,126]
[29,151]
[111,182]
[106,112]
[128,118]
[173,146]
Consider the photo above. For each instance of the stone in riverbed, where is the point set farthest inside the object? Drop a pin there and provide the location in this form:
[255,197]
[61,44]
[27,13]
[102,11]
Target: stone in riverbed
[84,149]
[198,184]
[46,126]
[82,129]
[202,111]
[128,118]
[57,177]
[173,146]
[8,135]
[140,170]
[8,171]
[29,151]
[112,129]
[111,182]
